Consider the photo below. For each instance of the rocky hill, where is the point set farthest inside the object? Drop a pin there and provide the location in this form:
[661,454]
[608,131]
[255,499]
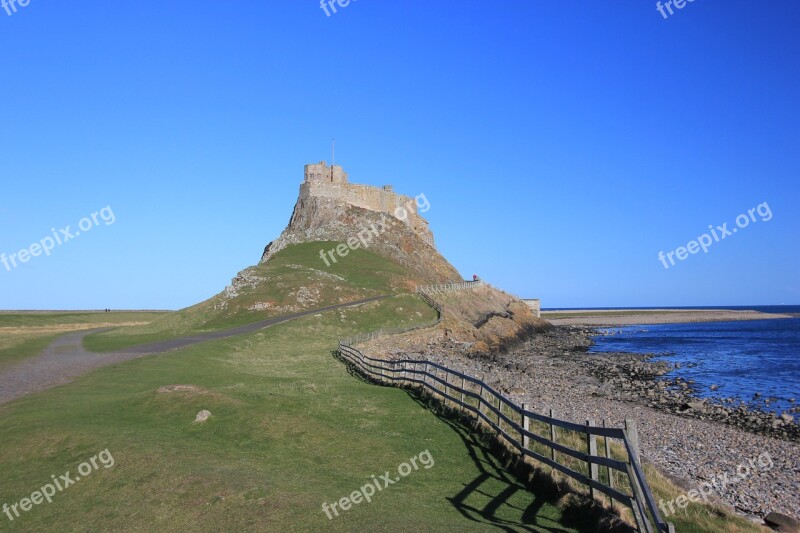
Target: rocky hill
[329,208]
[345,242]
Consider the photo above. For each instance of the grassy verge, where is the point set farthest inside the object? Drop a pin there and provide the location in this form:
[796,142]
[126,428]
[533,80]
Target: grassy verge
[290,430]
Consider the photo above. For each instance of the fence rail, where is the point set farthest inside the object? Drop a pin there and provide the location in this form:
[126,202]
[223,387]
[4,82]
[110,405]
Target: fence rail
[513,423]
[449,287]
[393,331]
[350,341]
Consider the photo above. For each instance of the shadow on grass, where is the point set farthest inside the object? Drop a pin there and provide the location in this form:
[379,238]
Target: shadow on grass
[503,475]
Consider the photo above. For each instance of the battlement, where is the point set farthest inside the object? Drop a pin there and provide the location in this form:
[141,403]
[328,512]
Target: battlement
[321,172]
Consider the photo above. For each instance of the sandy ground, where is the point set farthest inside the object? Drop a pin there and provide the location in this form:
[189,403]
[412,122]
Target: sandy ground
[63,328]
[622,317]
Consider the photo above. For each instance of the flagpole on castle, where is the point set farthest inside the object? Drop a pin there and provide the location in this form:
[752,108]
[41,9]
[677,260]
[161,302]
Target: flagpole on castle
[333,152]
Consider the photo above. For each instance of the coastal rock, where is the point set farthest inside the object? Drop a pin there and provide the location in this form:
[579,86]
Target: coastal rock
[781,522]
[697,406]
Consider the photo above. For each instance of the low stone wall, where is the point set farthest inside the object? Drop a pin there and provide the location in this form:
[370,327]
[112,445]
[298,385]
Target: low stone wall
[536,306]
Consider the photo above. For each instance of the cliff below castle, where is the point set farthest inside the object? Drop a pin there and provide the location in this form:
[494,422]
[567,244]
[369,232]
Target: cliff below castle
[329,208]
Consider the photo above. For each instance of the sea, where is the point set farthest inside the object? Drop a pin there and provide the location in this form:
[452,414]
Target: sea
[755,361]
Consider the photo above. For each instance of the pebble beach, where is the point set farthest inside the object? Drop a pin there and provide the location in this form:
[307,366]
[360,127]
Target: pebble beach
[752,461]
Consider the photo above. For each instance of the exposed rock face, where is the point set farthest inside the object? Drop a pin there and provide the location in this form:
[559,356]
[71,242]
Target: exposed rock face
[477,322]
[336,212]
[488,320]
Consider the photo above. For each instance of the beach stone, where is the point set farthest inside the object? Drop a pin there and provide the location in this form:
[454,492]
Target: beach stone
[781,522]
[787,418]
[202,416]
[696,406]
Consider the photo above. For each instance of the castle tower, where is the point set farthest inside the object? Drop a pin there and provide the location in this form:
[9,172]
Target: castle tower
[321,172]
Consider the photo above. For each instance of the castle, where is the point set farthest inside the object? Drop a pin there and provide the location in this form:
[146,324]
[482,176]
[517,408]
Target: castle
[322,181]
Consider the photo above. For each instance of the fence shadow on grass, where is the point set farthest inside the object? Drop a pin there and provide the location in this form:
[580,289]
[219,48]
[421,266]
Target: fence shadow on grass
[503,477]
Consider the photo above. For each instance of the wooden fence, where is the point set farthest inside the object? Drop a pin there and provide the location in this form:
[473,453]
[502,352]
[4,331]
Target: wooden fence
[449,287]
[567,447]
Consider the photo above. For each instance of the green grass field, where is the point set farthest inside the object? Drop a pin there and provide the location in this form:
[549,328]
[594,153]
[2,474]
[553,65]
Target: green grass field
[291,429]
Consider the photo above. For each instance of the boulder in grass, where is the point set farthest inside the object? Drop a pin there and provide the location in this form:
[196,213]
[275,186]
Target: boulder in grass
[202,416]
[783,523]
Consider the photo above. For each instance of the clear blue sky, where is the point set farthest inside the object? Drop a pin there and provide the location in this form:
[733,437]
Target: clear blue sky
[561,144]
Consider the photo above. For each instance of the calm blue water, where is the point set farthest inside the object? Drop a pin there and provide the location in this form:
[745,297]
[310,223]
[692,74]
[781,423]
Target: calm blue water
[741,357]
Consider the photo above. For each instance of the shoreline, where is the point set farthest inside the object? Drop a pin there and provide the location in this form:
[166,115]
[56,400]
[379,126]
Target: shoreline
[635,317]
[552,370]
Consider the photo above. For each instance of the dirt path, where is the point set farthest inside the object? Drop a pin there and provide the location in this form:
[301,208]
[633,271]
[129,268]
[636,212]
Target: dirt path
[66,359]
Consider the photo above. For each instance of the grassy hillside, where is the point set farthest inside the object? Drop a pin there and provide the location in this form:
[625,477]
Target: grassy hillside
[295,279]
[290,430]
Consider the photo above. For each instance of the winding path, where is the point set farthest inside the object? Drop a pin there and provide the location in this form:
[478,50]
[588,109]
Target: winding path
[66,359]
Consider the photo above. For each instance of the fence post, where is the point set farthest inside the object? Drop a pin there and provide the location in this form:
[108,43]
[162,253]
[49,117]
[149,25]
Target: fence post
[591,450]
[633,438]
[609,470]
[552,437]
[526,425]
[462,393]
[480,405]
[499,412]
[446,386]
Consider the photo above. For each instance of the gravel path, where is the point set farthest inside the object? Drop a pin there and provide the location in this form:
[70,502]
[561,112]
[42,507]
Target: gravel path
[65,358]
